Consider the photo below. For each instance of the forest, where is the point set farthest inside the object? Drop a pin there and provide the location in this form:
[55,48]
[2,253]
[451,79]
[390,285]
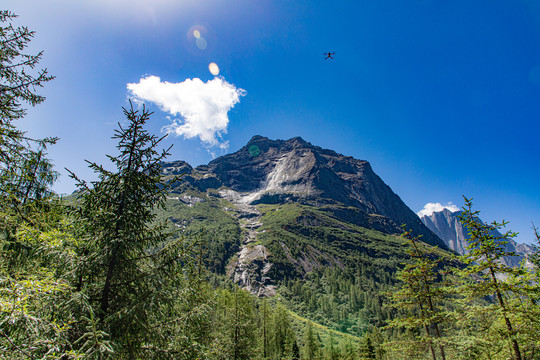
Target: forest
[101,275]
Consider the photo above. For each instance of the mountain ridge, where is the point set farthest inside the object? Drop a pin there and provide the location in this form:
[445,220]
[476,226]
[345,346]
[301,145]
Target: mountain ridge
[266,171]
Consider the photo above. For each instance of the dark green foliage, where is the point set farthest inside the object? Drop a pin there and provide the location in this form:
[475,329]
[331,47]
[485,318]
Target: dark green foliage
[312,345]
[17,84]
[332,272]
[482,309]
[534,258]
[283,338]
[128,265]
[420,300]
[111,279]
[367,349]
[265,329]
[221,235]
[235,325]
[25,172]
[345,267]
[34,238]
[482,276]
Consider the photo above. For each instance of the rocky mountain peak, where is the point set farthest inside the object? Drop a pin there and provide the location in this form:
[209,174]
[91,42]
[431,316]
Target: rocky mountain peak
[257,138]
[280,171]
[176,168]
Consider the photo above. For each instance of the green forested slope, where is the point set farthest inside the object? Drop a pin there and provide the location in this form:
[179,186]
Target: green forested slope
[326,269]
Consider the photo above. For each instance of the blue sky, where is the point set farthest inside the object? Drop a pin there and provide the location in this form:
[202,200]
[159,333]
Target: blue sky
[442,97]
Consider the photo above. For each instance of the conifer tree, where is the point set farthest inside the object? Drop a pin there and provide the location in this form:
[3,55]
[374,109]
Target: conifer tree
[348,350]
[265,330]
[530,306]
[187,323]
[25,172]
[283,337]
[17,81]
[332,351]
[534,258]
[420,300]
[377,339]
[485,269]
[128,261]
[367,350]
[20,163]
[235,325]
[312,346]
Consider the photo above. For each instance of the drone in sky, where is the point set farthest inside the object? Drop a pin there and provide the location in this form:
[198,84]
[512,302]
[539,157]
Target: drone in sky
[329,55]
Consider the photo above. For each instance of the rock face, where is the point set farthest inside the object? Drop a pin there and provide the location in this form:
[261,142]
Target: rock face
[447,226]
[176,168]
[280,171]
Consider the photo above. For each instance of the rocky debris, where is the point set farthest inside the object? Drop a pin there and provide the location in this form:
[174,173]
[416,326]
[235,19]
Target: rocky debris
[190,200]
[187,199]
[447,226]
[252,265]
[180,223]
[250,271]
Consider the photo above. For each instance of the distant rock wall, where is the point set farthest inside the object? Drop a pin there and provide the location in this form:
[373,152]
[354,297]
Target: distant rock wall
[447,226]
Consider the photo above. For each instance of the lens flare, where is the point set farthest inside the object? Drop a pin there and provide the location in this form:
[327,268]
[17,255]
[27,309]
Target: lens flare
[200,39]
[201,43]
[254,150]
[214,69]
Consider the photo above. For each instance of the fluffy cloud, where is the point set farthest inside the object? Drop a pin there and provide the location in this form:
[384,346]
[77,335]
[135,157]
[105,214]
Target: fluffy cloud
[430,208]
[202,107]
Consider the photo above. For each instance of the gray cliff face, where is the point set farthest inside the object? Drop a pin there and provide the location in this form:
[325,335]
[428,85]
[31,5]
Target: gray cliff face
[280,171]
[447,226]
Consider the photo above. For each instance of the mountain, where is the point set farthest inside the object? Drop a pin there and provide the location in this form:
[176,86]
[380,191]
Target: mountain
[447,226]
[276,171]
[289,220]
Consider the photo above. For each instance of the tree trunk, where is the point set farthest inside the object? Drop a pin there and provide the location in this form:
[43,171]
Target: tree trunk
[515,345]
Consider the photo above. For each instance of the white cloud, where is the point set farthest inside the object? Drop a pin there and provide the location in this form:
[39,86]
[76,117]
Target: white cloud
[430,208]
[202,107]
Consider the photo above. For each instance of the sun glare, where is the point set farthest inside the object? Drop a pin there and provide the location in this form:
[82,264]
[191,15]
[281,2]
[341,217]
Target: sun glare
[214,69]
[199,36]
[201,43]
